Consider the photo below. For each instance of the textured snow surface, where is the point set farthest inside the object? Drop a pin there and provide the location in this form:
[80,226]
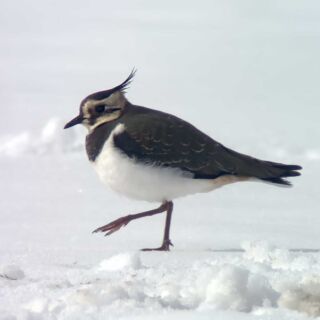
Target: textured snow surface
[244,72]
[261,281]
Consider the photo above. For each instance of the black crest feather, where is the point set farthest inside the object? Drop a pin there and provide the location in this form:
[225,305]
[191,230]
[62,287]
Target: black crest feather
[106,93]
[124,85]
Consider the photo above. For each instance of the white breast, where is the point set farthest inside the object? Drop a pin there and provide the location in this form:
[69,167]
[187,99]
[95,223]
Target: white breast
[147,182]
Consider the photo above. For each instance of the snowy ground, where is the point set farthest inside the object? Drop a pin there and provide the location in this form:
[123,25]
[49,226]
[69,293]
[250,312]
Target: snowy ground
[245,72]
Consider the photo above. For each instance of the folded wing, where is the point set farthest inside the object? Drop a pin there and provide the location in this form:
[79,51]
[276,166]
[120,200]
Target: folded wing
[161,139]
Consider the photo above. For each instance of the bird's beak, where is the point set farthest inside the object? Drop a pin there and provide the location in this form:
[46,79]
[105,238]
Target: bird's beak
[78,119]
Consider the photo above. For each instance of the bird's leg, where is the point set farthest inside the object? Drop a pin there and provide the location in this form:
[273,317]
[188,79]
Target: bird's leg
[166,243]
[123,221]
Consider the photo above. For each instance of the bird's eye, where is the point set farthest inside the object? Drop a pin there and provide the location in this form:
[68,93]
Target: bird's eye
[100,108]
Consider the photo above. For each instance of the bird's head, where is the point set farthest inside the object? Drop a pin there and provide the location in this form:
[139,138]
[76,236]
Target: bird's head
[101,107]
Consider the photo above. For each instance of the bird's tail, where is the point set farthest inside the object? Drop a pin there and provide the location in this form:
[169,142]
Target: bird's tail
[264,170]
[278,172]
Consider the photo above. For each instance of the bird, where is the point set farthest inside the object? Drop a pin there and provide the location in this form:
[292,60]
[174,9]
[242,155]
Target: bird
[146,154]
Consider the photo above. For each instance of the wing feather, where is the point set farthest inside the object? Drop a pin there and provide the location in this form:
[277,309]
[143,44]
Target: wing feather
[162,139]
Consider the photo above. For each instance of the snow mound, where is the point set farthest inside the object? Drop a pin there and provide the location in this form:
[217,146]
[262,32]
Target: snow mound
[52,139]
[121,261]
[304,297]
[263,281]
[11,272]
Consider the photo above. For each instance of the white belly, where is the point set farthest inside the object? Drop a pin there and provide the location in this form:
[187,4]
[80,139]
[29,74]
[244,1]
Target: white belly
[147,182]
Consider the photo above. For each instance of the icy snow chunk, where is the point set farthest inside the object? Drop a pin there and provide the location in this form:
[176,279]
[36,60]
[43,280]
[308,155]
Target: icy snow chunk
[82,297]
[121,261]
[97,295]
[228,289]
[264,253]
[260,291]
[303,296]
[38,305]
[12,272]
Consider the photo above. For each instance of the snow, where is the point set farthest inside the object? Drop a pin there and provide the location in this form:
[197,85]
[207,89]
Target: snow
[120,261]
[260,281]
[246,73]
[51,139]
[12,272]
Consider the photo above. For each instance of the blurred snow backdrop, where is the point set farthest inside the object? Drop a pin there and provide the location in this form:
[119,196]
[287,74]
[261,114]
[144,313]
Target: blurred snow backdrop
[245,72]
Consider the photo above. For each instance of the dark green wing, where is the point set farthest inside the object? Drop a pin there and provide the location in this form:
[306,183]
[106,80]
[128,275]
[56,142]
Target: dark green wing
[164,140]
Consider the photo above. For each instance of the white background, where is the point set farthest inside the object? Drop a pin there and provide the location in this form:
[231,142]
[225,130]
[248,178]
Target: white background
[246,73]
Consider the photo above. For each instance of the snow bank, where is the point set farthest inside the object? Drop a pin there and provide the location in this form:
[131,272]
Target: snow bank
[261,282]
[52,138]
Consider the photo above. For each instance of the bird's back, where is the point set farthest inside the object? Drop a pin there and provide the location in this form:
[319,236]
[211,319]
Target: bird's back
[158,138]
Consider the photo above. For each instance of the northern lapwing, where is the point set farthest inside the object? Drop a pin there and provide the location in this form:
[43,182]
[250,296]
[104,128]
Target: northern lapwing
[150,155]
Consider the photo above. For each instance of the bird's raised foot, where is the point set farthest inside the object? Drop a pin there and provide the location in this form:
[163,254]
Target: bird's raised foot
[114,225]
[164,247]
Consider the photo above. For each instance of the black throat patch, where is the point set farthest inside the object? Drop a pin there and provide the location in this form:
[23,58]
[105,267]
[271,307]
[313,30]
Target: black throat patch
[96,139]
